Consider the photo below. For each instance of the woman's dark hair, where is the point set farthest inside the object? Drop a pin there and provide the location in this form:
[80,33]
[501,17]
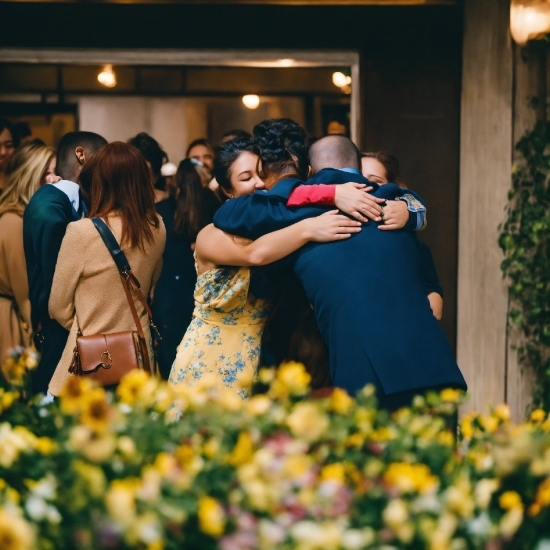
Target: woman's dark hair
[226,156]
[116,178]
[5,124]
[153,154]
[389,162]
[284,147]
[195,204]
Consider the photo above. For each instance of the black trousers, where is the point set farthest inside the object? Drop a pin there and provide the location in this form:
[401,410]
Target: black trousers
[54,339]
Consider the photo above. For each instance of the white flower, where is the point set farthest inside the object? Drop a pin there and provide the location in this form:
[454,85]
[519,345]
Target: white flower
[354,539]
[543,544]
[480,526]
[270,533]
[36,508]
[510,522]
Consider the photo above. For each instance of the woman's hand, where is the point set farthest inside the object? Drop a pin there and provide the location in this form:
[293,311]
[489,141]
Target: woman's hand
[354,199]
[396,215]
[330,226]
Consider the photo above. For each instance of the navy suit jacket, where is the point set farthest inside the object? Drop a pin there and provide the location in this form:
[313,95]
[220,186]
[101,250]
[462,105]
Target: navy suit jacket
[367,292]
[44,224]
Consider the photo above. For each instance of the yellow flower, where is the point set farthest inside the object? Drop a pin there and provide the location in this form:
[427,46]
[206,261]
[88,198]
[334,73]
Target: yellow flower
[120,500]
[126,446]
[534,510]
[340,401]
[95,412]
[409,478]
[543,493]
[7,398]
[45,445]
[258,405]
[450,394]
[333,472]
[355,440]
[364,419]
[466,427]
[74,393]
[489,423]
[306,421]
[538,415]
[211,517]
[291,378]
[446,438]
[297,465]
[93,476]
[502,412]
[137,388]
[243,450]
[509,500]
[165,464]
[458,498]
[266,376]
[382,434]
[211,448]
[15,532]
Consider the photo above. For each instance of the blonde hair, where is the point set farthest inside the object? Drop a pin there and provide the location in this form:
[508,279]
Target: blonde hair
[25,175]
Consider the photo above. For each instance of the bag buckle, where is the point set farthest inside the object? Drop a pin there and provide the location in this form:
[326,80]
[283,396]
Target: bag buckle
[102,363]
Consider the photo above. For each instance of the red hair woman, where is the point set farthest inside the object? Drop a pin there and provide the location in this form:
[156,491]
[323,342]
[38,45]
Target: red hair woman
[87,291]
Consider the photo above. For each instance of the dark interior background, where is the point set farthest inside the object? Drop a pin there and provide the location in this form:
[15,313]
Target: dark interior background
[411,64]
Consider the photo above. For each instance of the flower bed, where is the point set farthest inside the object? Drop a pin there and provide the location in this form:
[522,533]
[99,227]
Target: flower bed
[98,471]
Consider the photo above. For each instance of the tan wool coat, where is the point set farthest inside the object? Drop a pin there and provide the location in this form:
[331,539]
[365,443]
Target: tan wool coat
[87,286]
[15,314]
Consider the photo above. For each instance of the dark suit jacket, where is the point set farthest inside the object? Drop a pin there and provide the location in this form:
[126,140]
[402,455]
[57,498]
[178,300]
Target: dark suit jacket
[44,224]
[367,292]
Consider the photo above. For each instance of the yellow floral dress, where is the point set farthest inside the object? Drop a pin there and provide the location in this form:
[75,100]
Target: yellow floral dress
[225,334]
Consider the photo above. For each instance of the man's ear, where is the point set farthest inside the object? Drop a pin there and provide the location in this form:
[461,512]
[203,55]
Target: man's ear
[80,155]
[310,172]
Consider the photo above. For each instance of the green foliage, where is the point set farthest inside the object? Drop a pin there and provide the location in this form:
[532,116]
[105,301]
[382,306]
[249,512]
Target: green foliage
[525,243]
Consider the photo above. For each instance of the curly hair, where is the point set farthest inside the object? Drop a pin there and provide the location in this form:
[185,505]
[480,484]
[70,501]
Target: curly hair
[284,147]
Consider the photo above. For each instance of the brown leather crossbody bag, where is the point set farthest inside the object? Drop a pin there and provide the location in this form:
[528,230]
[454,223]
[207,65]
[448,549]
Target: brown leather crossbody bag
[106,358]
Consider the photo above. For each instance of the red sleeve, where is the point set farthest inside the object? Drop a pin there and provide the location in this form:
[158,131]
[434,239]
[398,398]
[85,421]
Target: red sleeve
[312,194]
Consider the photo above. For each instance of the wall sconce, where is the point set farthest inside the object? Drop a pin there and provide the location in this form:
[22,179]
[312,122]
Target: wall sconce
[252,101]
[342,81]
[529,20]
[107,76]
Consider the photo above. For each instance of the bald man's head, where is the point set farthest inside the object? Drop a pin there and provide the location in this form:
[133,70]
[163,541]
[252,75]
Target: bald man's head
[334,152]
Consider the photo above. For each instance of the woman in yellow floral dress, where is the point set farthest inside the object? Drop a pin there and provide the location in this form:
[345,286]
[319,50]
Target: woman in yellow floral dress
[224,336]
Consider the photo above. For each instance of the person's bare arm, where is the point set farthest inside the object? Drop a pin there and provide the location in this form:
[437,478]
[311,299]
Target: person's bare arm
[215,247]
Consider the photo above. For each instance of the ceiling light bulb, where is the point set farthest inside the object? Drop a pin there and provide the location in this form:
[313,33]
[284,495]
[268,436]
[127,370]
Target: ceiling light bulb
[252,101]
[529,20]
[286,62]
[340,79]
[107,76]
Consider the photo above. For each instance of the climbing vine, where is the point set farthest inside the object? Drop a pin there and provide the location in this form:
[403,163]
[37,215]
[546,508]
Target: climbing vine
[525,241]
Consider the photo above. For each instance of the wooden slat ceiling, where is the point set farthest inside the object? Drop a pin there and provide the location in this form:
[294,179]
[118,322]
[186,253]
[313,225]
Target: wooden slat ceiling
[280,2]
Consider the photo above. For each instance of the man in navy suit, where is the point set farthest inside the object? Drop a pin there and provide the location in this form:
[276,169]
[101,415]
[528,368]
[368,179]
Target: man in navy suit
[367,291]
[46,217]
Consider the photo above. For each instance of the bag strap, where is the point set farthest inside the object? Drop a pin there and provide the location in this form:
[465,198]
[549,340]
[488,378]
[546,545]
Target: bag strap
[129,280]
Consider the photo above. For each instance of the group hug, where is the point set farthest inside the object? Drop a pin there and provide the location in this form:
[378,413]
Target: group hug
[306,259]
